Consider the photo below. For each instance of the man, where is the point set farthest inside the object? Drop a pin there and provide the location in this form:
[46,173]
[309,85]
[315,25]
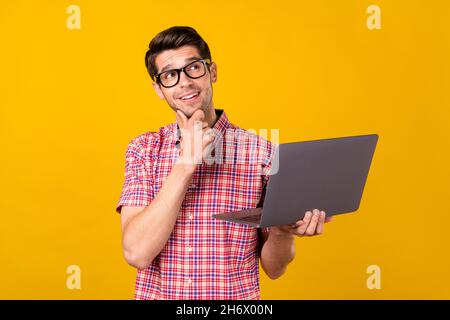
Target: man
[171,190]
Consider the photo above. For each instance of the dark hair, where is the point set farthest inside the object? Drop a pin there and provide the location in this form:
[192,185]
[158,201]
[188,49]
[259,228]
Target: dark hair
[173,38]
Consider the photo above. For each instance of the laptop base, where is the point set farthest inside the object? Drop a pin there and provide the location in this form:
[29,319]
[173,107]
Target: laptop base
[250,217]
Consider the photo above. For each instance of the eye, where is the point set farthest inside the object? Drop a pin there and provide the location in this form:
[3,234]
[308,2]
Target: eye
[169,75]
[195,66]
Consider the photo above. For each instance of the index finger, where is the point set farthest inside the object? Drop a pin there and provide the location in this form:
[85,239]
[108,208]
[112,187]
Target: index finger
[181,119]
[197,116]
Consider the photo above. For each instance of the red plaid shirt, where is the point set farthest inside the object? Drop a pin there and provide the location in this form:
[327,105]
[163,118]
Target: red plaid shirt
[204,258]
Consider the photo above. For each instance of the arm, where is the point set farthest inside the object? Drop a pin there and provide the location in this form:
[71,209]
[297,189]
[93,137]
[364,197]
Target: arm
[278,250]
[146,230]
[278,247]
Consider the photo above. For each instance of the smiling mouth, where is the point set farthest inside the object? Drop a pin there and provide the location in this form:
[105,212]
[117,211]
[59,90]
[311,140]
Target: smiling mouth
[190,97]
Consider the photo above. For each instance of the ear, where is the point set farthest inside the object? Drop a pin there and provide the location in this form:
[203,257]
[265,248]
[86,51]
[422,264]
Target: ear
[213,72]
[158,90]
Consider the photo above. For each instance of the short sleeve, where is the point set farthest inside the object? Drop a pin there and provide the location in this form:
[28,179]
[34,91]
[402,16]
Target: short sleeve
[137,187]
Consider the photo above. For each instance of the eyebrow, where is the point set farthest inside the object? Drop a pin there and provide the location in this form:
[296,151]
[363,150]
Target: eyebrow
[167,67]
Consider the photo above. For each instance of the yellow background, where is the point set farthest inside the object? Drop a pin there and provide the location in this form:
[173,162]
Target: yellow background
[71,100]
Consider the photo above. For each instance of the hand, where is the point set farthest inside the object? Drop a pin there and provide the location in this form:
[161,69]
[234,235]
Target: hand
[196,138]
[312,224]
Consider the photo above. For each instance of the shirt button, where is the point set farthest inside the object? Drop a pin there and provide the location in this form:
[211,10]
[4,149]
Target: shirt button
[189,249]
[192,185]
[191,217]
[189,281]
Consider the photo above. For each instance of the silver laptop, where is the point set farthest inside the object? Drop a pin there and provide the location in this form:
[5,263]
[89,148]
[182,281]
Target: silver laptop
[326,174]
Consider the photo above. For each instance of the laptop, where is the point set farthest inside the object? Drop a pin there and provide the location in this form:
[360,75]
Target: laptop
[326,174]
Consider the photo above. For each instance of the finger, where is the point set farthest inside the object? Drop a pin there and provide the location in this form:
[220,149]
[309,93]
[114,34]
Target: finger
[297,224]
[311,230]
[207,142]
[208,135]
[181,119]
[319,228]
[295,227]
[198,125]
[198,115]
[302,229]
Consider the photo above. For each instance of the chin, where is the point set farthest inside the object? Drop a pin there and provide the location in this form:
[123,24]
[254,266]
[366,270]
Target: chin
[189,110]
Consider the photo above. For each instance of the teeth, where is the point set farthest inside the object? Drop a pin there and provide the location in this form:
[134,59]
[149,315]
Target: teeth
[190,96]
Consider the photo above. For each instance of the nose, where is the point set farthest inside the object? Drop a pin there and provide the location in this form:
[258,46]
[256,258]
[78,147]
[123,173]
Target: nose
[184,80]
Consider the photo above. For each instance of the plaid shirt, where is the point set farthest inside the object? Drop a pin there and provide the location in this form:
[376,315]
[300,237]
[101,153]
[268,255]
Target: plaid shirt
[204,258]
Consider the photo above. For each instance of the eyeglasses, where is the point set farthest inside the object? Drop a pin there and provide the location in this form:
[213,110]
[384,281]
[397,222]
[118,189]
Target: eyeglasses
[193,70]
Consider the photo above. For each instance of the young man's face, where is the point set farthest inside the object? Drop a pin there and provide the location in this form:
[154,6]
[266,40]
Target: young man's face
[178,58]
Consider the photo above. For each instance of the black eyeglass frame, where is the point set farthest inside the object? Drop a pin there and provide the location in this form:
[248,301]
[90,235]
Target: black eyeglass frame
[206,62]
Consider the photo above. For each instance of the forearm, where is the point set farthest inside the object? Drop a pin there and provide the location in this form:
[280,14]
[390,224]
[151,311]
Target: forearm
[277,252]
[146,234]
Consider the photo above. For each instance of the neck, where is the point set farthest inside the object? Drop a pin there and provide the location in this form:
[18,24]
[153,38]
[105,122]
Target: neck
[211,117]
